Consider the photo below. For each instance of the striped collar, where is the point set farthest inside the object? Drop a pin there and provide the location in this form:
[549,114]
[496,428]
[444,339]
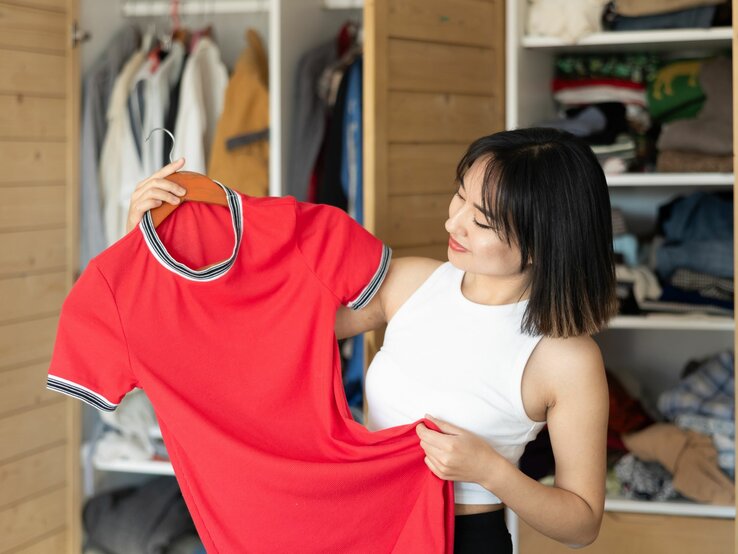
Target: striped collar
[210,273]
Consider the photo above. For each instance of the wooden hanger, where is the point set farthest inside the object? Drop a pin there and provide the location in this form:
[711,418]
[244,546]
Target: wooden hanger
[198,187]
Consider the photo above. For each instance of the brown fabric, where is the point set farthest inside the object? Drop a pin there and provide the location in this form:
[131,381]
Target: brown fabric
[685,162]
[690,457]
[711,131]
[245,113]
[634,8]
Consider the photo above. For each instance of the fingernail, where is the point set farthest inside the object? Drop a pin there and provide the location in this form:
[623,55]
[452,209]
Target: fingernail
[181,191]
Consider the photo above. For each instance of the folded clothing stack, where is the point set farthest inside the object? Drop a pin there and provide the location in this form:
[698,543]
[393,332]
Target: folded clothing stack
[641,15]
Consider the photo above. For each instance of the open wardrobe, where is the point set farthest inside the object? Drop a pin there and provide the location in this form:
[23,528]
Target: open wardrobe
[207,374]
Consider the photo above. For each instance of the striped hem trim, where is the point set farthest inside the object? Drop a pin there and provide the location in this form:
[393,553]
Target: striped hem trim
[162,255]
[74,390]
[371,289]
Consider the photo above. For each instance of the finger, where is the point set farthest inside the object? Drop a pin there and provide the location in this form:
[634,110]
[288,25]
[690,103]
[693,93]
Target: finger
[434,469]
[431,450]
[164,184]
[165,171]
[161,194]
[168,169]
[146,205]
[439,440]
[444,426]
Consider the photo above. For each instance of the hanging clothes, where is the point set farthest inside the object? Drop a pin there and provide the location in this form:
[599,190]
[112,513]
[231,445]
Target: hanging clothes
[242,366]
[202,90]
[129,158]
[240,150]
[119,160]
[309,120]
[97,89]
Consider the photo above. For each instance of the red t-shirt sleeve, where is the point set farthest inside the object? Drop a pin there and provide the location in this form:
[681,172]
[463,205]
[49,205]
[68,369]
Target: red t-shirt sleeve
[345,257]
[90,360]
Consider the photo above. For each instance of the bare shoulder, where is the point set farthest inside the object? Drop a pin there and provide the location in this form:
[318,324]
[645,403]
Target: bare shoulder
[404,277]
[569,367]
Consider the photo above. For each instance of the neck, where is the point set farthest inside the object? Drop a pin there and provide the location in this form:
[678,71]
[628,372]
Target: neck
[496,290]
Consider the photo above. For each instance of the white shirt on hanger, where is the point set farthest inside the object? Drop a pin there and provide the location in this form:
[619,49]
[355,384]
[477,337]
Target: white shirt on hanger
[119,161]
[201,97]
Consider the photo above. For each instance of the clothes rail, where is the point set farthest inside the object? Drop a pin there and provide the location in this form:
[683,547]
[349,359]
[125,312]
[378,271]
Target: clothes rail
[206,7]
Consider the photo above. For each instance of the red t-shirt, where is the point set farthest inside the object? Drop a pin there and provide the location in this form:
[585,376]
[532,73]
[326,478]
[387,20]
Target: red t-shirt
[241,364]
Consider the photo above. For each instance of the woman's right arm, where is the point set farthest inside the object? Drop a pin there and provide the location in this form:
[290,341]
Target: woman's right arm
[403,278]
[151,192]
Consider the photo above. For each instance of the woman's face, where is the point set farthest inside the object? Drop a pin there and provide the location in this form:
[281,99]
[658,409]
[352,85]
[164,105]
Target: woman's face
[473,245]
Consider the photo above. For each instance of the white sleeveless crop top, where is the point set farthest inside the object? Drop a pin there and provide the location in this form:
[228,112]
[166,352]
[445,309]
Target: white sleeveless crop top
[458,361]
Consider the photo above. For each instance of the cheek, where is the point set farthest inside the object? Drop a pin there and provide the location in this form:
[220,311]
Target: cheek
[497,252]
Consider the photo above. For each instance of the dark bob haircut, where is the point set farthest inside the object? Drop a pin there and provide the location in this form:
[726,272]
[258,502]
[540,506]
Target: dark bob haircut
[545,192]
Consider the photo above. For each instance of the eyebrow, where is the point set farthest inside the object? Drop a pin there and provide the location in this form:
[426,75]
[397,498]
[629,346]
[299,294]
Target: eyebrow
[477,206]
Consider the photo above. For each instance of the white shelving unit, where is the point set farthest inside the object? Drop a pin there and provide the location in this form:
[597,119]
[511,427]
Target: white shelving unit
[675,322]
[149,467]
[653,348]
[675,508]
[343,4]
[707,180]
[210,7]
[638,40]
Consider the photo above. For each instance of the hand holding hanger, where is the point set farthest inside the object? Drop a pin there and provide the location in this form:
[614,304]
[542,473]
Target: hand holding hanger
[168,188]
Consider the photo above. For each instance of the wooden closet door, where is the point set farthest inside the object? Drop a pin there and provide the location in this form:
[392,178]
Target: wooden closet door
[39,429]
[434,80]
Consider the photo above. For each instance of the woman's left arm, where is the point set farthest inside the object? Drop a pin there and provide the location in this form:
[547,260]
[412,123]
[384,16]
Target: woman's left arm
[570,511]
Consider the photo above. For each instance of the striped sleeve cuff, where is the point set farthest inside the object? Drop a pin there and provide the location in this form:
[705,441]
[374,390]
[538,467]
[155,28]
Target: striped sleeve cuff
[371,289]
[82,393]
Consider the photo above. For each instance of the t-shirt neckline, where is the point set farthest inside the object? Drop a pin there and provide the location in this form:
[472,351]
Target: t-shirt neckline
[163,256]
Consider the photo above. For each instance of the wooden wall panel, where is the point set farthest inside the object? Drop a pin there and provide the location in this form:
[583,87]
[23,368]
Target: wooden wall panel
[418,220]
[33,474]
[23,432]
[418,117]
[32,206]
[445,21]
[32,295]
[28,162]
[34,250]
[432,67]
[422,168]
[23,523]
[27,28]
[48,5]
[28,117]
[32,73]
[23,388]
[52,542]
[27,341]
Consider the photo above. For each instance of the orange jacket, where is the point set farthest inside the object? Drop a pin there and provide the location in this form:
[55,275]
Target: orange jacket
[239,157]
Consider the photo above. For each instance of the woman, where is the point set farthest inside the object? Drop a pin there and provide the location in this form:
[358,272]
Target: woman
[496,342]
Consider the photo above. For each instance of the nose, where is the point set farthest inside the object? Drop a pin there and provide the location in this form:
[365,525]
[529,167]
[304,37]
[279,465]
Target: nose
[455,224]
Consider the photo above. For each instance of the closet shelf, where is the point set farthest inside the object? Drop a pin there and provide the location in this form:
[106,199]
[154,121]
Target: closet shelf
[343,4]
[150,467]
[145,9]
[670,179]
[672,508]
[687,322]
[659,39]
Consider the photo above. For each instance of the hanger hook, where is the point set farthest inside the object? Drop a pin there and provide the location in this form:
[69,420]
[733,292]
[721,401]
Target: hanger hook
[171,136]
